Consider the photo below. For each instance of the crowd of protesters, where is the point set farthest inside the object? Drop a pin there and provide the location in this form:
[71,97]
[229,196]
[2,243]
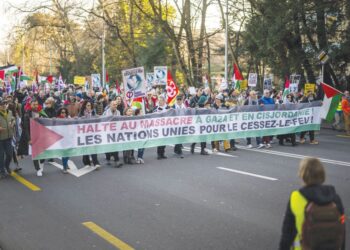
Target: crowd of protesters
[18,107]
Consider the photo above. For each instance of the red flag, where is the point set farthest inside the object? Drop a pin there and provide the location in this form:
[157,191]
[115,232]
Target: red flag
[107,77]
[286,83]
[237,75]
[117,87]
[329,91]
[171,89]
[2,75]
[49,79]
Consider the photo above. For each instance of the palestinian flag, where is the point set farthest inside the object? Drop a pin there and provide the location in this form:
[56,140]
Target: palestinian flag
[237,77]
[24,78]
[10,70]
[330,103]
[286,90]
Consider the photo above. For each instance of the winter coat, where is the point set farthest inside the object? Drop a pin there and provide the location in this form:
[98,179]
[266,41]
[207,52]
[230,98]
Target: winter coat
[6,122]
[319,194]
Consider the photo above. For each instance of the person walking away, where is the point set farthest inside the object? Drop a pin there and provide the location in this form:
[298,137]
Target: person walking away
[314,218]
[345,103]
[7,123]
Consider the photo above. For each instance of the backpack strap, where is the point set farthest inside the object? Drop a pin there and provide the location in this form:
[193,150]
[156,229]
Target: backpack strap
[298,204]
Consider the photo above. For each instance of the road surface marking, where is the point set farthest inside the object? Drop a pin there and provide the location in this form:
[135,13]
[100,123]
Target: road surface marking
[198,149]
[344,136]
[246,173]
[26,183]
[107,236]
[341,163]
[75,171]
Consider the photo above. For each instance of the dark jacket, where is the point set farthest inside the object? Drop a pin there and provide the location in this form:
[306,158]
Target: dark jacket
[50,112]
[319,194]
[6,122]
[25,137]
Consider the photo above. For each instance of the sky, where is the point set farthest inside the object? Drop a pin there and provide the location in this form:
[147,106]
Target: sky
[9,18]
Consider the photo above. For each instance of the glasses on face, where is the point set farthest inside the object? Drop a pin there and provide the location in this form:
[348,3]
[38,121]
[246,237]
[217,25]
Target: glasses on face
[63,112]
[88,105]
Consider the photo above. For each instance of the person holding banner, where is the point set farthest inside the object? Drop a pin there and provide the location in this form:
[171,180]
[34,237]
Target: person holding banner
[113,111]
[179,105]
[128,155]
[32,110]
[88,112]
[62,113]
[162,107]
[266,100]
[253,100]
[310,97]
[201,104]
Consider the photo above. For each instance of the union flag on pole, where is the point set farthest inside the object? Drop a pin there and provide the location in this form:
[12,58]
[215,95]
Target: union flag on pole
[171,89]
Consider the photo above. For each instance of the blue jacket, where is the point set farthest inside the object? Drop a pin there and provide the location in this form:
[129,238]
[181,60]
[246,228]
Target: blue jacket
[266,100]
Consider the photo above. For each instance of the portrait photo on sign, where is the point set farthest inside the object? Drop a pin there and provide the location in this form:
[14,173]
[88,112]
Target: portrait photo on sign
[134,82]
[160,75]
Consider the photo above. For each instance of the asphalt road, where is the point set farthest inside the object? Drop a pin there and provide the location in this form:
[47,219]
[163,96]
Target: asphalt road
[223,201]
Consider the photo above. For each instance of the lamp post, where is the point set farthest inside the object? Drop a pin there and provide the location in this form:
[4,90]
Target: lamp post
[226,42]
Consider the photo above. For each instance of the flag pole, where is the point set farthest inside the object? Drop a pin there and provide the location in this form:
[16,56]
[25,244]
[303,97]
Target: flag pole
[226,42]
[103,55]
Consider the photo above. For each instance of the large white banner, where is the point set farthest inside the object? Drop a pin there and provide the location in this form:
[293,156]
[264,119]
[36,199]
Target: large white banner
[72,137]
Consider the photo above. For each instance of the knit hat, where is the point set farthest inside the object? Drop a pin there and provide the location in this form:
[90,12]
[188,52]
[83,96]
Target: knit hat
[80,95]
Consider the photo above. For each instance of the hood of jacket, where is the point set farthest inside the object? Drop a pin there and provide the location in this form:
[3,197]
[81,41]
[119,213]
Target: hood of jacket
[320,194]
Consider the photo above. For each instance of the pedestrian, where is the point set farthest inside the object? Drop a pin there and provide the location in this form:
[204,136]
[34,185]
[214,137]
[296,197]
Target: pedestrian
[7,123]
[201,104]
[345,103]
[87,111]
[304,202]
[266,100]
[310,97]
[140,151]
[162,107]
[17,132]
[179,105]
[63,114]
[113,111]
[32,110]
[252,100]
[128,154]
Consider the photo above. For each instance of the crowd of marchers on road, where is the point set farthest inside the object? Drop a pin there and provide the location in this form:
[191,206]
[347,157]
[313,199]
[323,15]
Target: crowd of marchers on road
[18,107]
[304,225]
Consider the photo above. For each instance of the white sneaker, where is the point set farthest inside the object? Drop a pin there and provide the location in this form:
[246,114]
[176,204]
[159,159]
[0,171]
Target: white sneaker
[140,161]
[268,145]
[39,173]
[215,150]
[250,146]
[97,166]
[260,146]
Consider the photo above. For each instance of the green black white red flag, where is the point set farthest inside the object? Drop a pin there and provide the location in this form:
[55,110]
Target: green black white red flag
[331,99]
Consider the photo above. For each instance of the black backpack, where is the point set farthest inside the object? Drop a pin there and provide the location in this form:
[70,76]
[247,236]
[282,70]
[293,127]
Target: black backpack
[323,227]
